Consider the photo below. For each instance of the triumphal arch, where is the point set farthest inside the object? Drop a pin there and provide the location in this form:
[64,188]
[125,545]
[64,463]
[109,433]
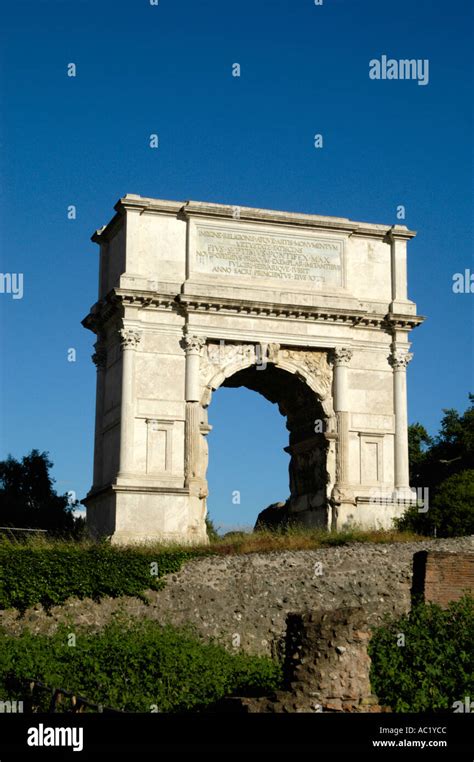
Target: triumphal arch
[311,312]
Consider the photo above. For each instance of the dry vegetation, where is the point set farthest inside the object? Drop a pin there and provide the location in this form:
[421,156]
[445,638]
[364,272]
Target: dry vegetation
[236,543]
[303,539]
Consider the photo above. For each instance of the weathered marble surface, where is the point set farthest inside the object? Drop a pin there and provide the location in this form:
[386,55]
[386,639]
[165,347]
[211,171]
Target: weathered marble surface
[310,311]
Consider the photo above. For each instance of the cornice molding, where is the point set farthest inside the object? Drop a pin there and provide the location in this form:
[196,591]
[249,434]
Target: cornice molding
[360,318]
[253,308]
[207,210]
[402,322]
[400,233]
[107,232]
[118,299]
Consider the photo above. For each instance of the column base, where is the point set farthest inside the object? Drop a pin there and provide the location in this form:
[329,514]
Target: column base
[129,515]
[368,514]
[404,493]
[342,493]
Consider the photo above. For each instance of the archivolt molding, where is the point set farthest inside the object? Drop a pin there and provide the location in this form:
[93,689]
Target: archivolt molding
[220,361]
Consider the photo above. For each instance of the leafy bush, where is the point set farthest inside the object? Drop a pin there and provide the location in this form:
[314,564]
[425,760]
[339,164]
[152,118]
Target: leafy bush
[50,574]
[435,666]
[133,666]
[211,528]
[452,512]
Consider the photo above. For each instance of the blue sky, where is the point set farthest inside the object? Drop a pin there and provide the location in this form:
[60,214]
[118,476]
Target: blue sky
[167,69]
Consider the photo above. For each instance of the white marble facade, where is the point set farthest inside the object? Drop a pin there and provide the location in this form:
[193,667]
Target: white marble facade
[312,312]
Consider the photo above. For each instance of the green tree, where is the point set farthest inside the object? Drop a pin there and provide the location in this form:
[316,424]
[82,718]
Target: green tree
[445,466]
[419,442]
[451,451]
[453,506]
[449,514]
[28,499]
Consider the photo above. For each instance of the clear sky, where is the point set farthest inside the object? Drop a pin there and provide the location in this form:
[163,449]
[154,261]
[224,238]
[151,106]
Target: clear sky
[247,140]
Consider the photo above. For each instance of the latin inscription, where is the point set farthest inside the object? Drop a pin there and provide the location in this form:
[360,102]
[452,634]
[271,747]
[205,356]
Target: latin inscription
[224,251]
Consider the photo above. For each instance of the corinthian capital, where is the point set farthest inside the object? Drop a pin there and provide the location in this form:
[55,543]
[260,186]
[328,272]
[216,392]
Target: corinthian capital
[129,339]
[399,359]
[341,355]
[193,344]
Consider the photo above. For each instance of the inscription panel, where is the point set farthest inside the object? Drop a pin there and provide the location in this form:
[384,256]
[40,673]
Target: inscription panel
[247,254]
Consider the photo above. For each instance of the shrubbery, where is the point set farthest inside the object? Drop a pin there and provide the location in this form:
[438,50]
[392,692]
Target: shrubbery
[435,665]
[211,528]
[136,666]
[31,574]
[443,466]
[451,513]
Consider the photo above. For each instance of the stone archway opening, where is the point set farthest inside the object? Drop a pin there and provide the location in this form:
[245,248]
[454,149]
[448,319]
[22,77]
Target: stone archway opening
[248,464]
[306,423]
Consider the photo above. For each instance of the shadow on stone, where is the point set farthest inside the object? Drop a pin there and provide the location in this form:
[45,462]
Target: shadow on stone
[275,517]
[326,667]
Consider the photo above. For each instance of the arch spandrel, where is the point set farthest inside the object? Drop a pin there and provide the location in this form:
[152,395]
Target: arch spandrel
[221,361]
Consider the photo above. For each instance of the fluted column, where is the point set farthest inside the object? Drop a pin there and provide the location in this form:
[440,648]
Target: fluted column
[399,360]
[193,346]
[129,340]
[341,357]
[99,358]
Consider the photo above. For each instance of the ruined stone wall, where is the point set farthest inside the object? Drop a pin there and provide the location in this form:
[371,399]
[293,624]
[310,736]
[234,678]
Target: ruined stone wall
[442,577]
[315,609]
[326,655]
[243,601]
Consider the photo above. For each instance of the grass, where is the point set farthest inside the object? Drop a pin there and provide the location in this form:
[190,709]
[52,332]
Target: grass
[265,541]
[300,538]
